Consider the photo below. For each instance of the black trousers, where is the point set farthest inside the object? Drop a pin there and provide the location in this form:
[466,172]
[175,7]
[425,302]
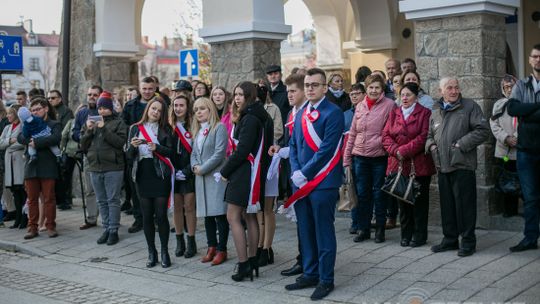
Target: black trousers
[414,218]
[63,187]
[137,211]
[458,207]
[215,225]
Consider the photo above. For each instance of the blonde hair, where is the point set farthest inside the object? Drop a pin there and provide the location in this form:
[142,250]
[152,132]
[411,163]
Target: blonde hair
[213,120]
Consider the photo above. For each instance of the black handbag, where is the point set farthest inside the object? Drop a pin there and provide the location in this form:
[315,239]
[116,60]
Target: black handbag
[404,188]
[508,183]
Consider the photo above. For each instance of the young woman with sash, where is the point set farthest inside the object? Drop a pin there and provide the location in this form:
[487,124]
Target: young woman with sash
[150,149]
[184,186]
[245,172]
[207,158]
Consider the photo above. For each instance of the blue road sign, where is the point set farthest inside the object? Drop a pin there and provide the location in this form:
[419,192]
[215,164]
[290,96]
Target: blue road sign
[189,63]
[11,53]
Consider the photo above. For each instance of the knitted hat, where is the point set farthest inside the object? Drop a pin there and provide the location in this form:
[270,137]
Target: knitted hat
[105,101]
[24,114]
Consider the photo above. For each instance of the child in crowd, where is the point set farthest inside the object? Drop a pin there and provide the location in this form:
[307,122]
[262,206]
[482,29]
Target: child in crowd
[35,127]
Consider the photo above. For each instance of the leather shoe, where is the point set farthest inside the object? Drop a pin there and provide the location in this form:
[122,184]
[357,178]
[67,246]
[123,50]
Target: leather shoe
[112,239]
[219,258]
[390,223]
[87,225]
[296,269]
[30,235]
[417,243]
[353,230]
[322,290]
[136,227]
[103,238]
[444,247]
[302,283]
[52,233]
[362,236]
[463,252]
[522,246]
[405,242]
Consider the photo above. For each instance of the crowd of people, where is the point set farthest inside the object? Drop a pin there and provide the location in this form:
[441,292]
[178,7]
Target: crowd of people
[204,152]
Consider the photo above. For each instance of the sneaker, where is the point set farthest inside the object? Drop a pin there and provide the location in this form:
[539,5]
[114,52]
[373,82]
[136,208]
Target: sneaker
[103,238]
[52,233]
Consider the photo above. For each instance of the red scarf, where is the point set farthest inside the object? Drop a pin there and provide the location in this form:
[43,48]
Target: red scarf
[370,102]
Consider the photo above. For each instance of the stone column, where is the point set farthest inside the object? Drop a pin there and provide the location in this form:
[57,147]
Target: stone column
[244,36]
[468,43]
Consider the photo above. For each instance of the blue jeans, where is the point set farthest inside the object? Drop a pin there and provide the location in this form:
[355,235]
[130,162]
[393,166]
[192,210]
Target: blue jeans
[107,187]
[369,173]
[528,168]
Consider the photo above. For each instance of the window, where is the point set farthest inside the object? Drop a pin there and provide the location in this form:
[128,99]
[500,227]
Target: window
[6,85]
[35,84]
[34,64]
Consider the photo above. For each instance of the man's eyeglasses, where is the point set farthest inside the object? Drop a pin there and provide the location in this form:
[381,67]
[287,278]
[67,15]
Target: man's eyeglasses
[313,85]
[354,94]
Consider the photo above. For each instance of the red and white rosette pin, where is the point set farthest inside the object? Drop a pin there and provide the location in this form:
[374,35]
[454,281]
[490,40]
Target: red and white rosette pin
[188,135]
[314,115]
[205,132]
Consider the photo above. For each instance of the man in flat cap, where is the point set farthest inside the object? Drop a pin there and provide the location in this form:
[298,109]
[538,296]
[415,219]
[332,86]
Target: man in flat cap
[278,91]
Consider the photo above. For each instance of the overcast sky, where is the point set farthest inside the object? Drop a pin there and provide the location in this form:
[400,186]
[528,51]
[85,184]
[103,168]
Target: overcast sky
[47,15]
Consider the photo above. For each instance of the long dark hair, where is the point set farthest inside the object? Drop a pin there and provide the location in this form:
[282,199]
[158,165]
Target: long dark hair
[189,112]
[163,121]
[250,93]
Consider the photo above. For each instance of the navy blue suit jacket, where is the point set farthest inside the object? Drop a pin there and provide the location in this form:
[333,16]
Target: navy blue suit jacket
[329,127]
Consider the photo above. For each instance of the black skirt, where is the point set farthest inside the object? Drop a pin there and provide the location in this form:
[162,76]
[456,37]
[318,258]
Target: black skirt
[184,187]
[149,184]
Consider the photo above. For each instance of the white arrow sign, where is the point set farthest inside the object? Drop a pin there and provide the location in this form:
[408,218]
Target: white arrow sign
[189,63]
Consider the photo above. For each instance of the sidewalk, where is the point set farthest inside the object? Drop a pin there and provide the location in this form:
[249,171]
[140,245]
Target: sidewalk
[74,269]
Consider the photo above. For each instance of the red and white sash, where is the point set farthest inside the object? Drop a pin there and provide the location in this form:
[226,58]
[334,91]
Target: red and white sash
[314,142]
[151,137]
[185,137]
[255,193]
[232,141]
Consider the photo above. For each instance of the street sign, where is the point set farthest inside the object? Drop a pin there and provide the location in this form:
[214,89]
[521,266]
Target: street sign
[11,54]
[189,63]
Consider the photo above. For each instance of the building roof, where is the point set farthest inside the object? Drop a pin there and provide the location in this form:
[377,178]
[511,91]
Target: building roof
[51,40]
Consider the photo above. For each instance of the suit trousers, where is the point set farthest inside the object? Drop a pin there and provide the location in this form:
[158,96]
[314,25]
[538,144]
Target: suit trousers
[458,207]
[45,187]
[315,214]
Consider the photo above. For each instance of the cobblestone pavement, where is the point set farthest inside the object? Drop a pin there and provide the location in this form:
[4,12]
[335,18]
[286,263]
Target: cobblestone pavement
[74,269]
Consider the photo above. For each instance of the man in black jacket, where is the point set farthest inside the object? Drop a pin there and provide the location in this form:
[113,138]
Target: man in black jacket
[278,91]
[131,114]
[524,103]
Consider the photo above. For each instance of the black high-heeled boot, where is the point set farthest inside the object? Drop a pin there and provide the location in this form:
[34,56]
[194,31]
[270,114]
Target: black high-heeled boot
[242,270]
[254,264]
[379,234]
[263,258]
[180,245]
[191,247]
[259,251]
[165,258]
[152,257]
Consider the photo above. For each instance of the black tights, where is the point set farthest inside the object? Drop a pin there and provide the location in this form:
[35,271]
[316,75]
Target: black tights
[155,206]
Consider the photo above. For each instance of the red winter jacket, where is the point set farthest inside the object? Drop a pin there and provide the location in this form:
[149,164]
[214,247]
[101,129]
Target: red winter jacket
[409,138]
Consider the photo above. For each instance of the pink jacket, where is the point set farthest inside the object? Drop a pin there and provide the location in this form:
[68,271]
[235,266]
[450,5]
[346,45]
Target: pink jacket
[365,135]
[226,120]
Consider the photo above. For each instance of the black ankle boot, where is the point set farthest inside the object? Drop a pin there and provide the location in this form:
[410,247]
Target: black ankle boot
[24,222]
[242,270]
[165,258]
[263,258]
[180,245]
[379,234]
[254,264]
[152,257]
[270,256]
[191,247]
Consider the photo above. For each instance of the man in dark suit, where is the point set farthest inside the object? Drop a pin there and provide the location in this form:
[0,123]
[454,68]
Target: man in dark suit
[315,155]
[278,91]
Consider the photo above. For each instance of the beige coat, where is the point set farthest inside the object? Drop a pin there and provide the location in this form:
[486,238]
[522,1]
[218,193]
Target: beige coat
[503,126]
[14,159]
[275,114]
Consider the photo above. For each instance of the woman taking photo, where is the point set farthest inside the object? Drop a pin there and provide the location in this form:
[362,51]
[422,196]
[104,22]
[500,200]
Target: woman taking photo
[245,173]
[14,165]
[150,149]
[40,174]
[184,186]
[365,152]
[404,138]
[207,159]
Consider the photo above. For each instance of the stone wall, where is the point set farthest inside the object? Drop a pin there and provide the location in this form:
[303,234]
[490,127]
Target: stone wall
[85,69]
[236,61]
[472,48]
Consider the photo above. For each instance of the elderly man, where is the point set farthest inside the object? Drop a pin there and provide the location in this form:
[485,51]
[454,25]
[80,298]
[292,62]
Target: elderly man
[524,103]
[393,68]
[457,126]
[278,91]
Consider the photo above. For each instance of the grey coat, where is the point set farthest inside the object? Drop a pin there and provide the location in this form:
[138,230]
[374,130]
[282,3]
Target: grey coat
[14,159]
[209,193]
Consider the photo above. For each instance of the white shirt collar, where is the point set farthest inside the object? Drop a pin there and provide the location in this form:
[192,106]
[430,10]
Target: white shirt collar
[316,105]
